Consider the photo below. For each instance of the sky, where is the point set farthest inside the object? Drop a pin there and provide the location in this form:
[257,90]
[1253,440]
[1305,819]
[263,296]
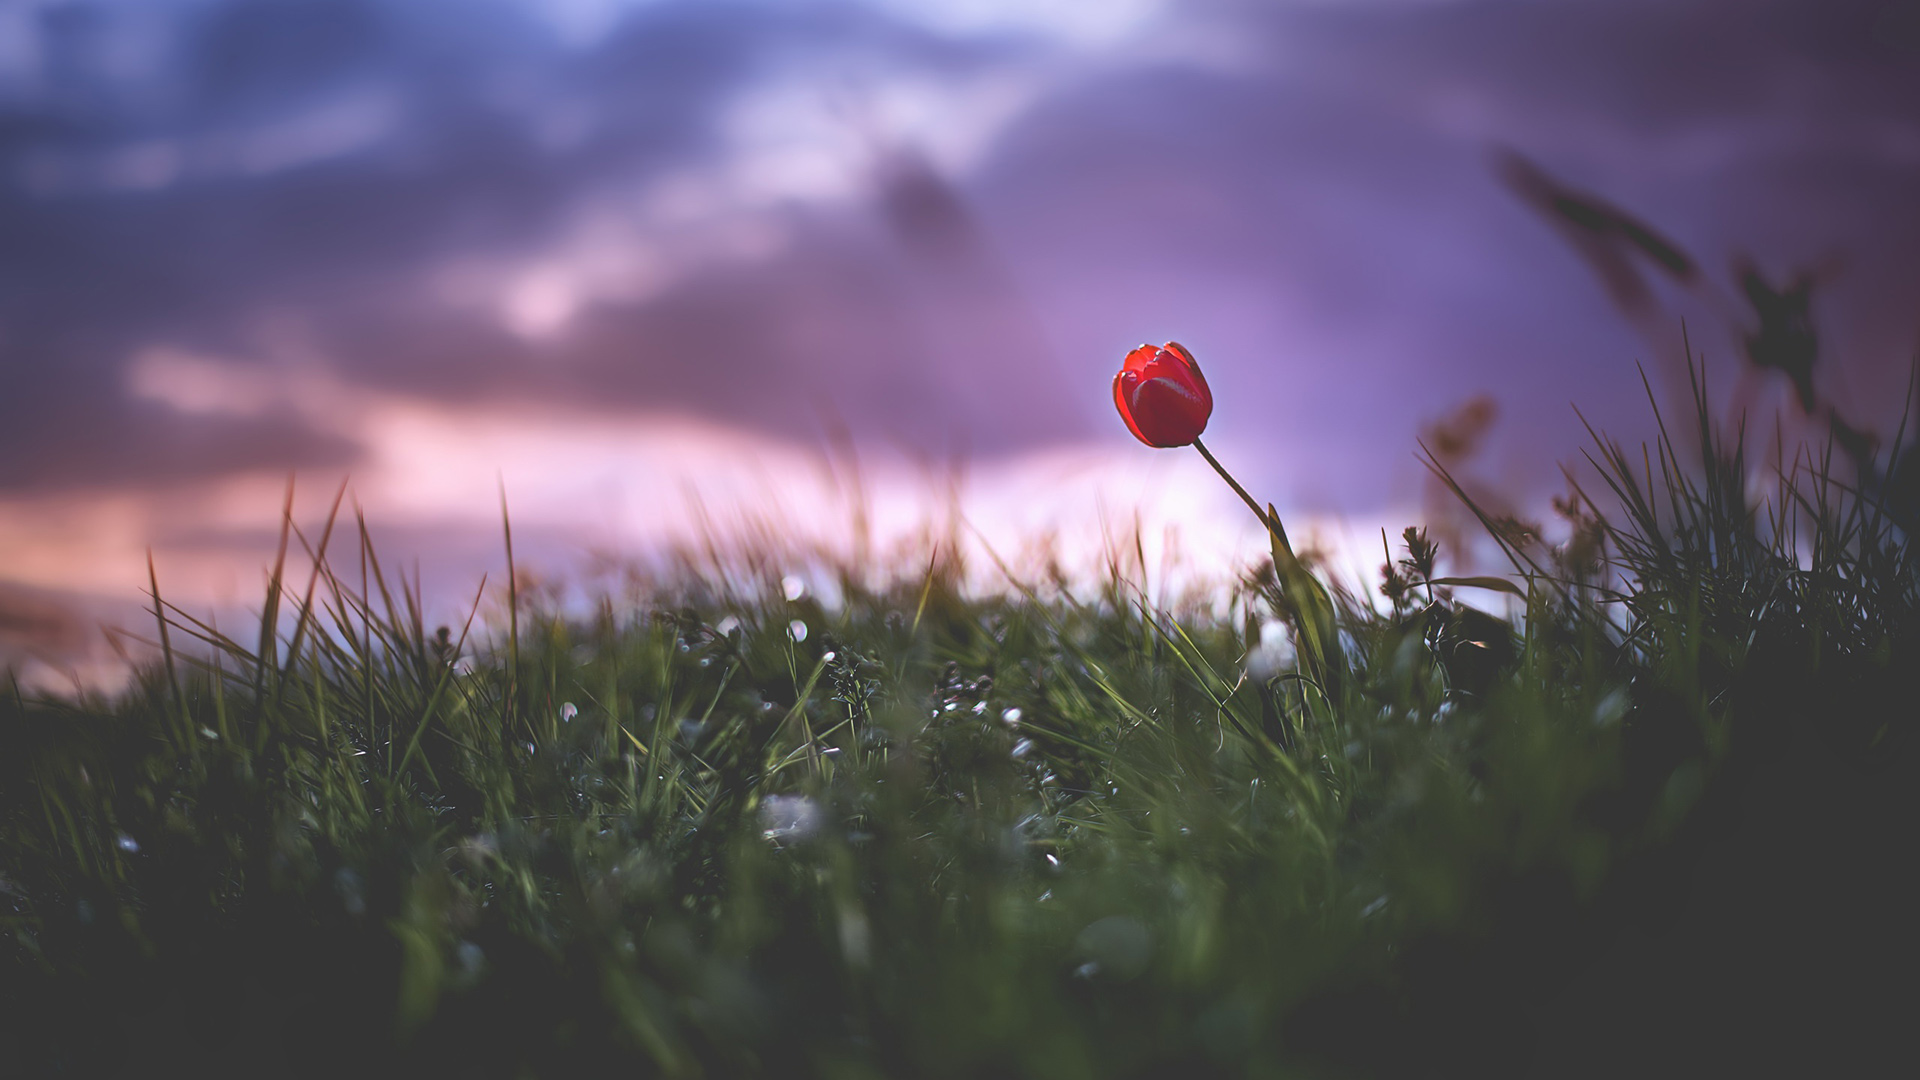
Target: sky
[652,266]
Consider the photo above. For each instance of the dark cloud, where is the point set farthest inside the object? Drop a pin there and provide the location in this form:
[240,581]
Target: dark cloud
[77,445]
[312,164]
[1310,205]
[1335,183]
[303,193]
[54,638]
[33,623]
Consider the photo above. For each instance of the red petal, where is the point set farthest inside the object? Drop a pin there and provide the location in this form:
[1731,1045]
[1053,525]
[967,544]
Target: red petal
[1123,385]
[1162,396]
[1174,367]
[1179,368]
[1170,412]
[1181,351]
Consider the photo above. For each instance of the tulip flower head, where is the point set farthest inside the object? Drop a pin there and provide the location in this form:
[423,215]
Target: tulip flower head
[1165,401]
[1162,395]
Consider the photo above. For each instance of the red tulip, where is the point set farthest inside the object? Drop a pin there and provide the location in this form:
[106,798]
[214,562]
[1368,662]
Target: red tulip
[1162,395]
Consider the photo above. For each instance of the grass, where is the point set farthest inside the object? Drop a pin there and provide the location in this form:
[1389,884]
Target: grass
[1663,821]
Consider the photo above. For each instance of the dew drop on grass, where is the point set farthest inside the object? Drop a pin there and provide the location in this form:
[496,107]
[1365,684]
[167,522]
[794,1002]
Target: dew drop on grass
[1119,945]
[797,629]
[568,711]
[1612,709]
[1021,748]
[470,958]
[351,890]
[1011,717]
[788,817]
[828,656]
[126,843]
[979,707]
[793,587]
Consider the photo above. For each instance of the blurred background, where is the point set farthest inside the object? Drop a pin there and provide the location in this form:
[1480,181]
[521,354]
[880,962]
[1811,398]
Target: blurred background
[659,266]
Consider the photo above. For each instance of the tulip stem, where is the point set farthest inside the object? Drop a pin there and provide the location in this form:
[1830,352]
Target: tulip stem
[1271,522]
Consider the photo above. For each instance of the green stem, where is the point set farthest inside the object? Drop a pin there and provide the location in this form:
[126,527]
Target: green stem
[1269,522]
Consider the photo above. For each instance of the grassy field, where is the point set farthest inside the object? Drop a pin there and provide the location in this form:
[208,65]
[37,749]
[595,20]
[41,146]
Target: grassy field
[1663,823]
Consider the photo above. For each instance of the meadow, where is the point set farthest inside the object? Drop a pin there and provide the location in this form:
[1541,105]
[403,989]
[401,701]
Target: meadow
[1660,822]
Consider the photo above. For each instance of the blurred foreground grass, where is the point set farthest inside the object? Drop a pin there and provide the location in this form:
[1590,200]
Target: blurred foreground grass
[1664,821]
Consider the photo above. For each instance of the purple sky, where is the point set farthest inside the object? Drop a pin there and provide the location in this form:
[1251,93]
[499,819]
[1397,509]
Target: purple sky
[609,250]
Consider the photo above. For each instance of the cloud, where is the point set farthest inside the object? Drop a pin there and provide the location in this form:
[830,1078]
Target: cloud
[939,223]
[237,236]
[1317,198]
[35,625]
[428,199]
